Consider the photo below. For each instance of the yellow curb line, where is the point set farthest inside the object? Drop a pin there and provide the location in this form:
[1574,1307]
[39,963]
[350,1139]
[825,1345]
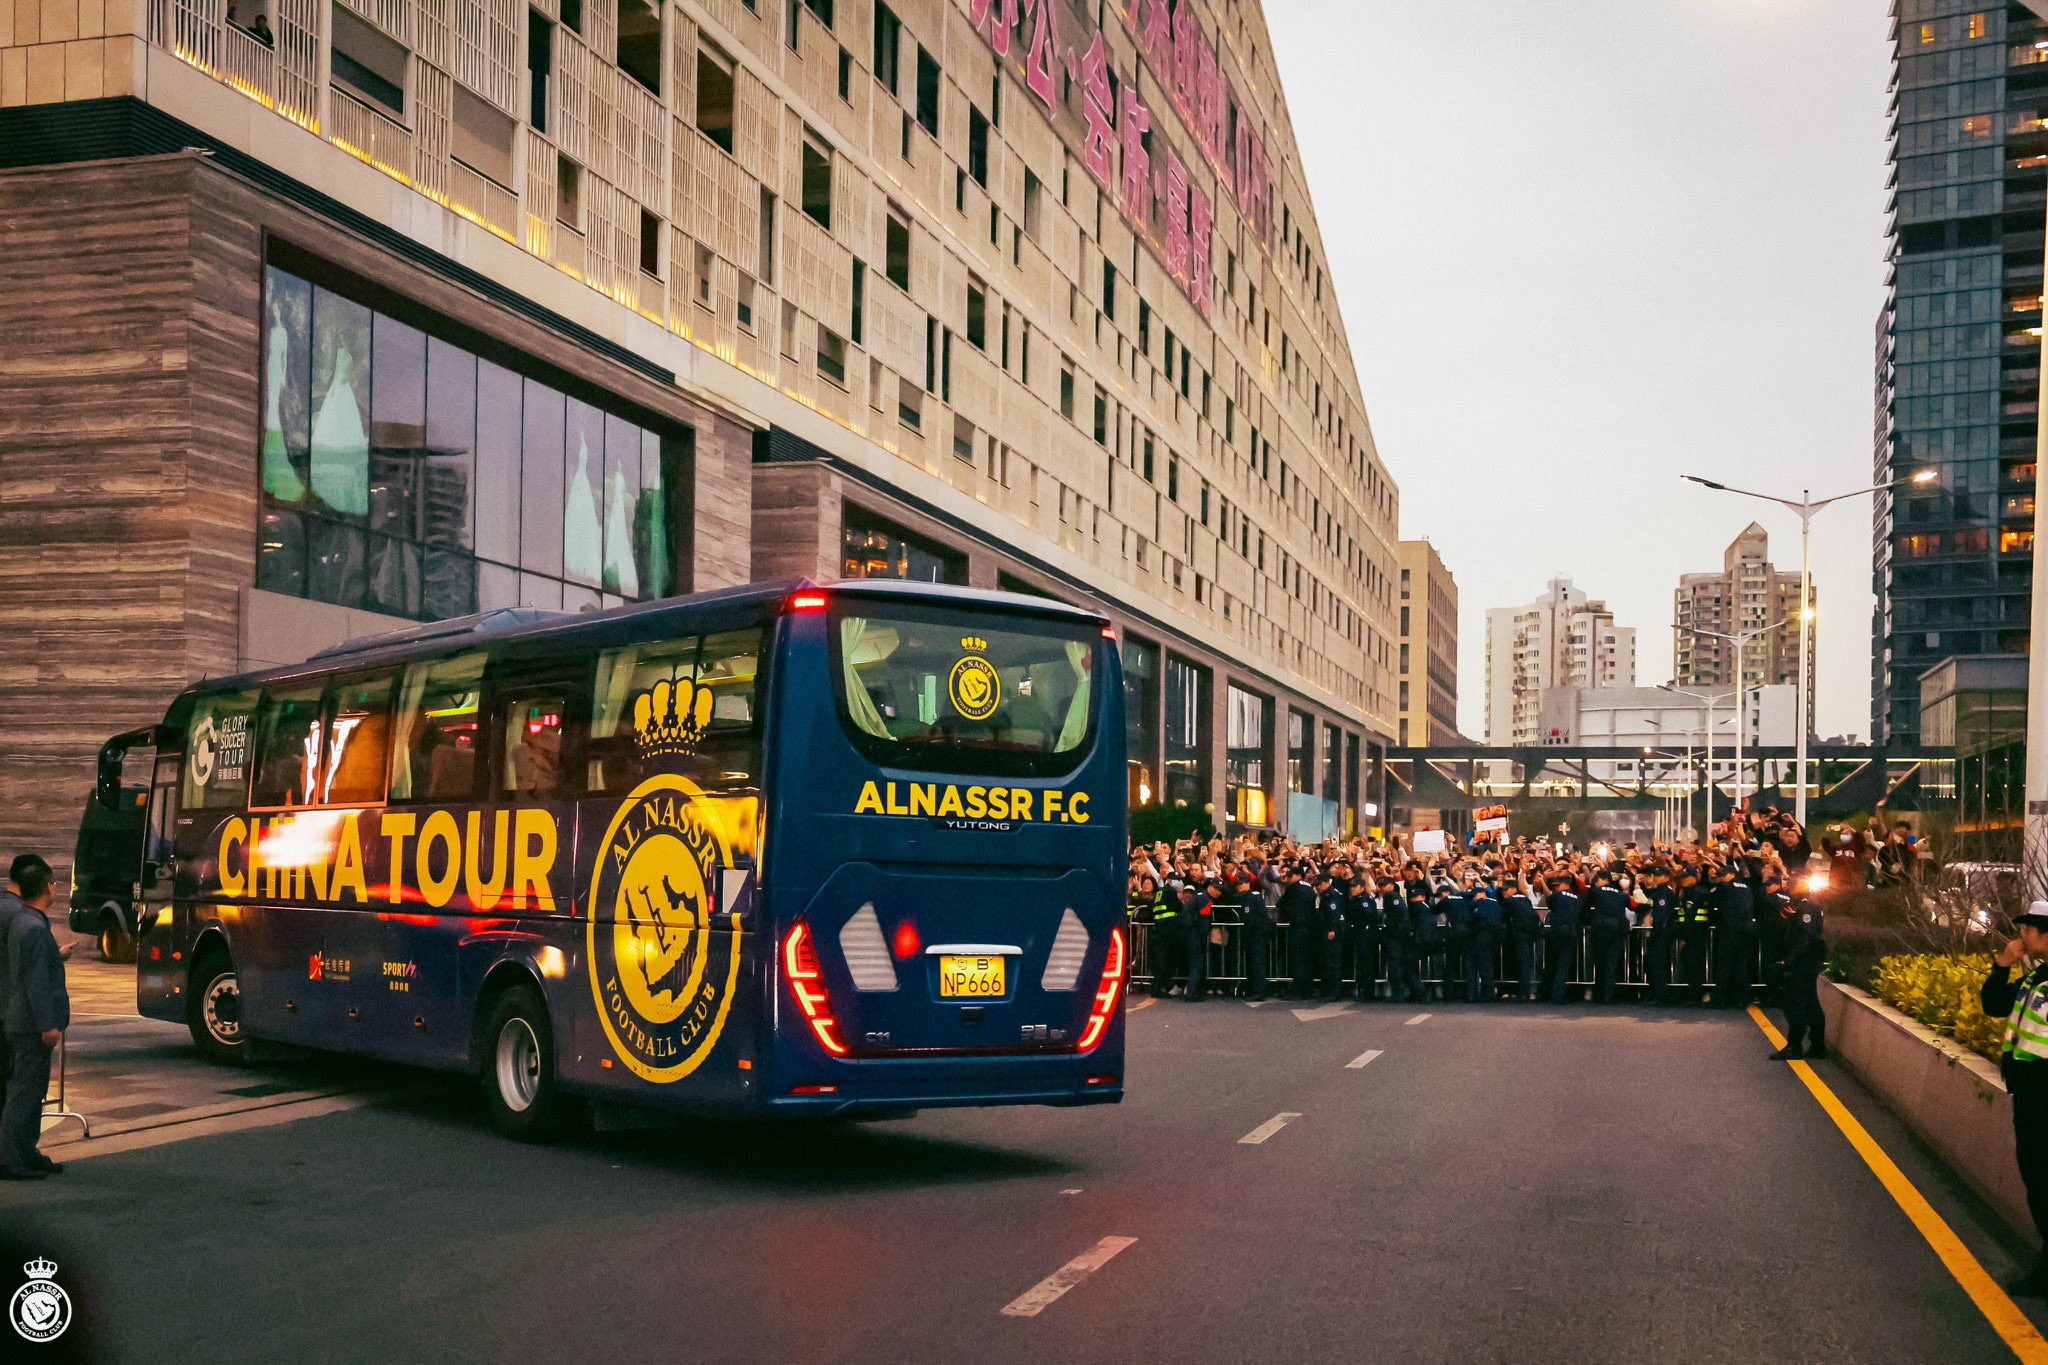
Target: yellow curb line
[1998,1309]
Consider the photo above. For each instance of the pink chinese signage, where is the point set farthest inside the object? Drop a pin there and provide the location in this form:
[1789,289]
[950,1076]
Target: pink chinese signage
[1145,176]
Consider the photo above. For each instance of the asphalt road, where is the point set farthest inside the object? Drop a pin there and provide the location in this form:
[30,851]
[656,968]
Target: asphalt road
[1509,1183]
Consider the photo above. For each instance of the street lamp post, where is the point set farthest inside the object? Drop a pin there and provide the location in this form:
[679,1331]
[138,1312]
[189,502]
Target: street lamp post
[1740,639]
[1707,700]
[1805,506]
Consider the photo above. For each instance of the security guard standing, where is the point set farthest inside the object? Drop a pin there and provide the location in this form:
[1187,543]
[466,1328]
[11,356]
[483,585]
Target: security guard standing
[1162,940]
[1560,939]
[1426,922]
[1773,921]
[1695,916]
[1362,912]
[2024,1065]
[1197,913]
[1330,933]
[1298,911]
[1482,952]
[1735,922]
[1394,935]
[1607,934]
[1802,932]
[1525,931]
[1258,934]
[1418,927]
[1457,912]
[1663,911]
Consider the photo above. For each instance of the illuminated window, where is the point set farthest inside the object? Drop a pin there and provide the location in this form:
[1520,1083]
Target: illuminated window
[1977,126]
[2015,542]
[1926,33]
[1976,26]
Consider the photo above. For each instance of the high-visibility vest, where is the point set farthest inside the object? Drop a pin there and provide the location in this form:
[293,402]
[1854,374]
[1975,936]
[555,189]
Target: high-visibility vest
[2026,1029]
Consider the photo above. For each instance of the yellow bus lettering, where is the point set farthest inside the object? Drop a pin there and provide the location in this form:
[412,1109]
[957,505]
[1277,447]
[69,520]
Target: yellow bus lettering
[896,806]
[870,802]
[1077,811]
[977,803]
[348,862]
[235,833]
[398,828]
[485,894]
[1020,803]
[1052,803]
[921,798]
[998,803]
[949,801]
[440,829]
[533,842]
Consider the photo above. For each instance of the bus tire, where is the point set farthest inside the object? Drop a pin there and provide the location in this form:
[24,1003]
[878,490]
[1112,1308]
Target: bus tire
[116,943]
[516,1066]
[213,1009]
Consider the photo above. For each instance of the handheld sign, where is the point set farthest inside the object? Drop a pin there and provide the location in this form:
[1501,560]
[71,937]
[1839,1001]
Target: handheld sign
[1429,841]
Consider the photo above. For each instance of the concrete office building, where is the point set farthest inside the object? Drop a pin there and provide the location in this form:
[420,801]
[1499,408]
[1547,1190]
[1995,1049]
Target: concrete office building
[1428,641]
[386,310]
[1562,639]
[1749,593]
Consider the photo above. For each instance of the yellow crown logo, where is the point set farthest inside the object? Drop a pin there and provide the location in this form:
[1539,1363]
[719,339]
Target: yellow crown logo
[973,642]
[41,1268]
[671,717]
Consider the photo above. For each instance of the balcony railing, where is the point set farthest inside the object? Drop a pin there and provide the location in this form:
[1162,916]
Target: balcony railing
[479,197]
[249,64]
[363,132]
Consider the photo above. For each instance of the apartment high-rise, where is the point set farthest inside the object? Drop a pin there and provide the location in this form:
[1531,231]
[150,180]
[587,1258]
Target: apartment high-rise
[1428,640]
[1562,639]
[1958,343]
[1750,593]
[339,314]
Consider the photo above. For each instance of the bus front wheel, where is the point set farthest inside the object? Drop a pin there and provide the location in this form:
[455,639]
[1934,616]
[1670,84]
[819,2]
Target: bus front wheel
[214,1009]
[116,943]
[516,1064]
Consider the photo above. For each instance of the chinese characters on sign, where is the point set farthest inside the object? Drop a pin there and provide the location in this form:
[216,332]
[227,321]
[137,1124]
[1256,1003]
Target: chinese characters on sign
[1143,174]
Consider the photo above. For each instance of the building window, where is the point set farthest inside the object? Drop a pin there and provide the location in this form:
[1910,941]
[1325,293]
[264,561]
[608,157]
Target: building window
[1248,721]
[896,260]
[403,474]
[1186,733]
[888,44]
[367,64]
[568,192]
[650,244]
[909,404]
[540,35]
[977,314]
[831,355]
[1141,718]
[874,548]
[639,48]
[927,91]
[714,95]
[977,147]
[817,179]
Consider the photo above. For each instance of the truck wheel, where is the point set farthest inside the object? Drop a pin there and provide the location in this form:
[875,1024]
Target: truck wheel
[213,1009]
[116,943]
[516,1065]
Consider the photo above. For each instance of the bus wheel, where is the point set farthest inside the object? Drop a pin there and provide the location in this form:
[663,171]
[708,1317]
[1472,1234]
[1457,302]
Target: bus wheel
[516,1063]
[214,1011]
[116,943]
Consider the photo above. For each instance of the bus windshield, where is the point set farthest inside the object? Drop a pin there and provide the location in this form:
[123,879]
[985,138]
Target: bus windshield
[964,691]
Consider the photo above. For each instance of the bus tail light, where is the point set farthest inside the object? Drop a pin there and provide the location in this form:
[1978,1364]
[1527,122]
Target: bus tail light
[807,985]
[807,601]
[1106,995]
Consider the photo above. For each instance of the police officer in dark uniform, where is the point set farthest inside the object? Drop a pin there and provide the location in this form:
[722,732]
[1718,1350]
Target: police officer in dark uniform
[1560,939]
[1298,912]
[1773,921]
[1393,935]
[1330,929]
[1362,913]
[1258,934]
[1694,925]
[1525,931]
[1482,952]
[1735,925]
[1197,913]
[1606,933]
[1426,936]
[1416,914]
[1663,914]
[2023,1003]
[1457,912]
[1804,935]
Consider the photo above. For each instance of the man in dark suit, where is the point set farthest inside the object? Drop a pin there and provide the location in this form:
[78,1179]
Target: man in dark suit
[35,1009]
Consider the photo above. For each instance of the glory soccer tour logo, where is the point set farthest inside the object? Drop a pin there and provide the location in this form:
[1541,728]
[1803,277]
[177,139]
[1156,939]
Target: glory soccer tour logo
[662,975]
[41,1310]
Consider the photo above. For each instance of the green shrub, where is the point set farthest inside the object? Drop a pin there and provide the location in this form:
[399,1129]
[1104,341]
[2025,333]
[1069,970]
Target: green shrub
[1941,993]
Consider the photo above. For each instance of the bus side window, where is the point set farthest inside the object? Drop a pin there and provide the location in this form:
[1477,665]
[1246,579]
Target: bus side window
[729,755]
[541,721]
[358,741]
[440,732]
[623,677]
[288,747]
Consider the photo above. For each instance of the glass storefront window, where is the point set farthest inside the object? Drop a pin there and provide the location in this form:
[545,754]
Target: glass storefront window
[1186,736]
[404,474]
[1141,719]
[1246,727]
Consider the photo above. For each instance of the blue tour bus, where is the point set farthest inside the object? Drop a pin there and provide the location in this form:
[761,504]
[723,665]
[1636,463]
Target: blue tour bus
[843,849]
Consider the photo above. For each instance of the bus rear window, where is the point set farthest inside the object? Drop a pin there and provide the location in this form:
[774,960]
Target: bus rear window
[955,690]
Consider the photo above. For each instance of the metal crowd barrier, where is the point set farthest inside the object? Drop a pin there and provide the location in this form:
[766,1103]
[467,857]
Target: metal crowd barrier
[1226,961]
[58,1074]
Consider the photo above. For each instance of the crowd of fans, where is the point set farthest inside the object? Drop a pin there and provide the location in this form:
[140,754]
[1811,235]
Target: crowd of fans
[1501,918]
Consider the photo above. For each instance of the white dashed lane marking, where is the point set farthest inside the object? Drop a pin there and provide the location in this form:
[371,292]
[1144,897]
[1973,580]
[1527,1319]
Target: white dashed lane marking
[1418,1018]
[1034,1300]
[1267,1129]
[1361,1059]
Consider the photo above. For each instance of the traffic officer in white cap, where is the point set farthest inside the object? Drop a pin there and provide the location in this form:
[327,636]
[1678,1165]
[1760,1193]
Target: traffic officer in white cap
[2024,1064]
